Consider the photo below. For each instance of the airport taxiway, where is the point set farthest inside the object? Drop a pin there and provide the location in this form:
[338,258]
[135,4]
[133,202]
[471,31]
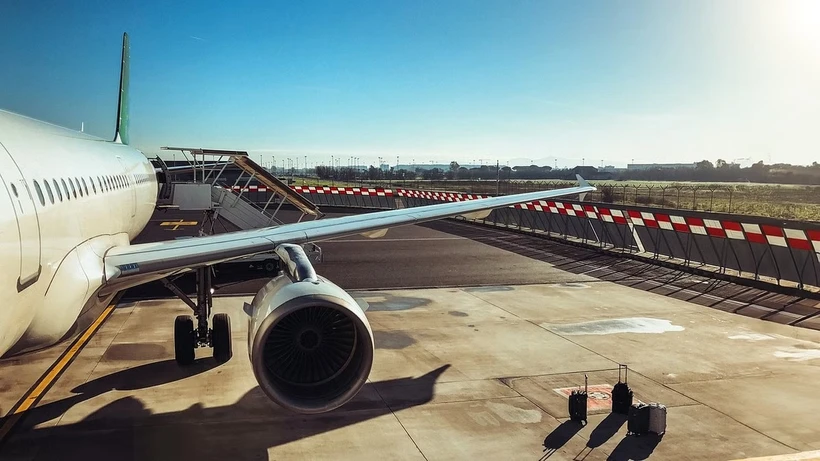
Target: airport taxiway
[476,372]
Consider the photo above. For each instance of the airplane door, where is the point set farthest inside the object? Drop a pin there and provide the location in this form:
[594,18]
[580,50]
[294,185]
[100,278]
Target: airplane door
[131,185]
[28,224]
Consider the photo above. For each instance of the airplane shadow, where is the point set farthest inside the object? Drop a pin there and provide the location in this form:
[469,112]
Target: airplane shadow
[131,379]
[125,429]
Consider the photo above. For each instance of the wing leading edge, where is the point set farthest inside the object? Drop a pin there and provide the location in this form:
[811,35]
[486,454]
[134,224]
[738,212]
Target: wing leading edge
[130,265]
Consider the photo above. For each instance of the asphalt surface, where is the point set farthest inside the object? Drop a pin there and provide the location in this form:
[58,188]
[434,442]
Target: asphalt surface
[480,335]
[450,253]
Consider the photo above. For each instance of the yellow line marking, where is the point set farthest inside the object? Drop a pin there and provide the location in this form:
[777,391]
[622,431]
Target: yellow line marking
[176,224]
[34,395]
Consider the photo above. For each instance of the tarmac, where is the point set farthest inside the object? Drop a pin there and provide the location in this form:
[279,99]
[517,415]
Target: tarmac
[478,341]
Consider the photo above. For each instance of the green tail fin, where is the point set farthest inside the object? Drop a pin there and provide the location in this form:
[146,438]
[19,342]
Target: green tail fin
[121,135]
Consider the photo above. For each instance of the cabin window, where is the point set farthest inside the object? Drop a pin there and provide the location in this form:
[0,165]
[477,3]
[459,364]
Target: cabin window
[79,187]
[48,191]
[14,189]
[65,189]
[85,187]
[57,189]
[99,183]
[93,186]
[73,190]
[39,193]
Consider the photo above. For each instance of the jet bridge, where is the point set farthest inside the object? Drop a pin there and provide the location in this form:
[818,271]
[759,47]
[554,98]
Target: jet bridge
[204,188]
[210,173]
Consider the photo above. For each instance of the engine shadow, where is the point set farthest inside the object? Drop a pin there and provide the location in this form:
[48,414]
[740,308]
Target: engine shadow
[125,429]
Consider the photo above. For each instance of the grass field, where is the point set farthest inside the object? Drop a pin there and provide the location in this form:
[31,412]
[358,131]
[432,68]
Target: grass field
[781,201]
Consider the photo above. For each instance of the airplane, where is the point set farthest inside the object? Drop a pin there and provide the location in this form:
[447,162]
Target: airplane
[73,204]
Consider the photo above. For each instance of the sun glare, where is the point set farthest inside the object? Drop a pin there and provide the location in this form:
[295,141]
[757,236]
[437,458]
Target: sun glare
[804,21]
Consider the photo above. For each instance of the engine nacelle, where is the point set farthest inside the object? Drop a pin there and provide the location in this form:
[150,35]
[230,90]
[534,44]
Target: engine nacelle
[309,342]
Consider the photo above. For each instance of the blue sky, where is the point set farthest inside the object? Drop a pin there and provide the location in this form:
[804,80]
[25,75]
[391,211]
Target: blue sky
[591,81]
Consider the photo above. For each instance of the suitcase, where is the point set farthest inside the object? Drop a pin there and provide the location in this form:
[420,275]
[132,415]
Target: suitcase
[657,418]
[578,404]
[638,422]
[621,393]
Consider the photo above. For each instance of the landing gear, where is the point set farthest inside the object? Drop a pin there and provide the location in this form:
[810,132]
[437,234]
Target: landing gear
[184,340]
[188,336]
[221,338]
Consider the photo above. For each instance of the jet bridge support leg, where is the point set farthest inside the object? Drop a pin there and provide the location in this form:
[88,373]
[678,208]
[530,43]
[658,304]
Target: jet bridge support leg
[188,337]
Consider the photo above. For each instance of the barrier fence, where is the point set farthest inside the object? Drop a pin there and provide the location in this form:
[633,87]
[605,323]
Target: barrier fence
[747,246]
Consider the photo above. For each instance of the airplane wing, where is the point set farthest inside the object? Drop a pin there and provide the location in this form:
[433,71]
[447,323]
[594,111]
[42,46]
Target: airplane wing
[130,265]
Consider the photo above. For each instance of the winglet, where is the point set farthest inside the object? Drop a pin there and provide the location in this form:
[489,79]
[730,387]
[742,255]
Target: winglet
[121,134]
[582,183]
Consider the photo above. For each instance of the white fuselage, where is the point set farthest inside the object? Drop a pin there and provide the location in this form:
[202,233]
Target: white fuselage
[65,199]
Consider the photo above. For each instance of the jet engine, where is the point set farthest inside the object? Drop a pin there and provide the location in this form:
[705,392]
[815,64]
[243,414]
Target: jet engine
[309,342]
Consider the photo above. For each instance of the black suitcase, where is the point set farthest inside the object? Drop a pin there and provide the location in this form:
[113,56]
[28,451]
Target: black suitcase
[638,422]
[621,393]
[578,404]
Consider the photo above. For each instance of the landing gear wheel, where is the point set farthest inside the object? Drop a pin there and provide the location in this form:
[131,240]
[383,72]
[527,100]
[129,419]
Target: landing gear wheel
[221,337]
[184,340]
[271,266]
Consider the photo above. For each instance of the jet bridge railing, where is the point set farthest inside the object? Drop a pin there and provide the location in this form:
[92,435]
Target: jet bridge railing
[353,197]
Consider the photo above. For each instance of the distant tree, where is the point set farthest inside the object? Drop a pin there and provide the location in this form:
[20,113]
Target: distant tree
[720,163]
[432,174]
[323,172]
[454,166]
[704,165]
[374,173]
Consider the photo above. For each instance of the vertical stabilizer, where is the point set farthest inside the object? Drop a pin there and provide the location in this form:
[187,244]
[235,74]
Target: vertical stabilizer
[582,183]
[121,135]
